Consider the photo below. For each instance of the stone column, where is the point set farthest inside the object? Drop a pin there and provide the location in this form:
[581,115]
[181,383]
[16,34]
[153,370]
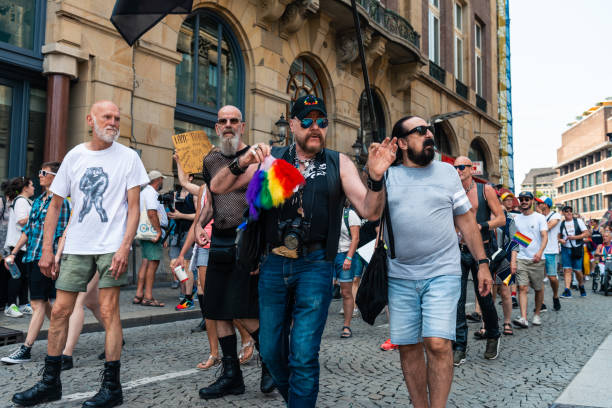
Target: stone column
[60,65]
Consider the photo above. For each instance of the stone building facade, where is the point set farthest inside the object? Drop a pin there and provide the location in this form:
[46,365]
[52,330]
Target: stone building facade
[584,161]
[543,177]
[426,57]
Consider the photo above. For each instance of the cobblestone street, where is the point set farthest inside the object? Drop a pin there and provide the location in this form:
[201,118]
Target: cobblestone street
[534,366]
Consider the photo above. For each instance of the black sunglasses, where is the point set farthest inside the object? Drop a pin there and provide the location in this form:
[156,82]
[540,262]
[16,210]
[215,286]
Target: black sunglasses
[223,121]
[462,166]
[524,199]
[422,130]
[307,122]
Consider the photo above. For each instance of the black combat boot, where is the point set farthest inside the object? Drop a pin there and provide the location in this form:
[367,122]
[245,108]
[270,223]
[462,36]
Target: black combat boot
[267,382]
[110,394]
[230,381]
[46,390]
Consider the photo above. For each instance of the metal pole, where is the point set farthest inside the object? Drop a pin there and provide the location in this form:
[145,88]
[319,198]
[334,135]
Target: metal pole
[364,69]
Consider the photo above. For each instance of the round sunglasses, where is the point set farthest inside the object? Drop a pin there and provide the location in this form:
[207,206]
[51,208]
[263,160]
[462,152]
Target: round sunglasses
[307,122]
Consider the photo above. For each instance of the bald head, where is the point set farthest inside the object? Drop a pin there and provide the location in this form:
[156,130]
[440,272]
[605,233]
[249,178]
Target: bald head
[231,110]
[466,173]
[104,120]
[230,128]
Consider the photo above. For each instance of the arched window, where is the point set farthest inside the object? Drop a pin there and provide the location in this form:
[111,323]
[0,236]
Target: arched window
[303,80]
[443,139]
[364,116]
[210,75]
[477,153]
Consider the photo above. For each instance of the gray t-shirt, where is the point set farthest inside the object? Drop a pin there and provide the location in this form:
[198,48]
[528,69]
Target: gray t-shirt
[423,202]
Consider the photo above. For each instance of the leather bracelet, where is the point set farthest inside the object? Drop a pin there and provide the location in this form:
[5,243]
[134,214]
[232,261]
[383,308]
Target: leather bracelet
[235,168]
[485,225]
[375,185]
[484,261]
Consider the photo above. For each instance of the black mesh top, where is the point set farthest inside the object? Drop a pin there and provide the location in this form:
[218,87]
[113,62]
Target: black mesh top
[228,208]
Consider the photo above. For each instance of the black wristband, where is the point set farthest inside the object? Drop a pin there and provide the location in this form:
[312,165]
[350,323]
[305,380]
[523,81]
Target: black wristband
[485,225]
[375,185]
[484,261]
[235,168]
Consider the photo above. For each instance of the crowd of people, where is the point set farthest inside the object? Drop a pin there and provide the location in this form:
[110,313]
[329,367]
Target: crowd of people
[70,248]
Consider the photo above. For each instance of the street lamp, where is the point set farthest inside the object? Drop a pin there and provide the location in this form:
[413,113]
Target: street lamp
[281,126]
[359,149]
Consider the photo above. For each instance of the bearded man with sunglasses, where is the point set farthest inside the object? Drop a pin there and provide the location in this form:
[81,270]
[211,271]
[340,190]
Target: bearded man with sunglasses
[295,282]
[489,216]
[228,292]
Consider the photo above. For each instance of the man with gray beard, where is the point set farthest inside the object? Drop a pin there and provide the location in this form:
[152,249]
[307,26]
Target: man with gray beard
[229,293]
[103,179]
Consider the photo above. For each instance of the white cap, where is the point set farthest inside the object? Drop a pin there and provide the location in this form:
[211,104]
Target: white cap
[155,174]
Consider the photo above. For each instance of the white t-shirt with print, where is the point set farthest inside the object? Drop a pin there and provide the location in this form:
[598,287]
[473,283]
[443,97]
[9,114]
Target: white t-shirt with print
[552,247]
[18,210]
[568,230]
[97,182]
[345,240]
[149,201]
[531,226]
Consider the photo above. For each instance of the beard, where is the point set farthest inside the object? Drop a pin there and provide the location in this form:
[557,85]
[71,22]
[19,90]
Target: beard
[229,145]
[303,143]
[102,133]
[425,156]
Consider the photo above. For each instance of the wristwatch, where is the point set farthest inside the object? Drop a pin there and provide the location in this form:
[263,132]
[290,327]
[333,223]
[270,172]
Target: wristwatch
[484,261]
[235,168]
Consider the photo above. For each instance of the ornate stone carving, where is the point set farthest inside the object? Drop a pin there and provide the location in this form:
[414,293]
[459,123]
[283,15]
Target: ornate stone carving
[402,75]
[296,13]
[346,47]
[271,10]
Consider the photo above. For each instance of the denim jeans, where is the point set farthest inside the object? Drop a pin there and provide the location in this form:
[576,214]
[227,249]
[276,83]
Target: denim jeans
[487,306]
[294,298]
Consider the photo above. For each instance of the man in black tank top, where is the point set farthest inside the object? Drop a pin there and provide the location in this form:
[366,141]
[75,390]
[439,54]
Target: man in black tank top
[484,203]
[295,287]
[229,293]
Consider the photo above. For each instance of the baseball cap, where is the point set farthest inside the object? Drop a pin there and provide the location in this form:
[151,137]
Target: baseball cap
[155,174]
[506,195]
[545,200]
[306,104]
[526,194]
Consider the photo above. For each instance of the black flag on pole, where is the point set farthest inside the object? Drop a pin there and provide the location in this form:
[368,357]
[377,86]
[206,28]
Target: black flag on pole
[133,18]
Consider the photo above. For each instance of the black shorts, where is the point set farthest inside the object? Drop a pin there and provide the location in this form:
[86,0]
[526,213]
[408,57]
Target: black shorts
[41,287]
[229,292]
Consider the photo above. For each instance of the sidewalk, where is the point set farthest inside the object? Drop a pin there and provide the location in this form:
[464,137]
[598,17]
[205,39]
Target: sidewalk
[131,315]
[592,386]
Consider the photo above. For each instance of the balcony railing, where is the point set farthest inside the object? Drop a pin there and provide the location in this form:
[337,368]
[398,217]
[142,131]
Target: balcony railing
[391,21]
[437,72]
[481,103]
[461,89]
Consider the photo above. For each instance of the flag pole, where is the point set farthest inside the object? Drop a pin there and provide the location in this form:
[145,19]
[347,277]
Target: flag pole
[364,69]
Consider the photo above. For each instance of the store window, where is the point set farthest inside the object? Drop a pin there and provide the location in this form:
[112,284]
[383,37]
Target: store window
[211,72]
[22,31]
[477,153]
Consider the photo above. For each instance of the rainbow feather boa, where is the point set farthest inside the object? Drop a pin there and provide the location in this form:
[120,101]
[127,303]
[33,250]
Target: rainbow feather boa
[273,183]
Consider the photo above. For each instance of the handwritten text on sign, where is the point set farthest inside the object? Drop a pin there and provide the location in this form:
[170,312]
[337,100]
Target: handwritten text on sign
[191,148]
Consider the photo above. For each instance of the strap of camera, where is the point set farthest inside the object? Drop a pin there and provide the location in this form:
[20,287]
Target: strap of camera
[386,215]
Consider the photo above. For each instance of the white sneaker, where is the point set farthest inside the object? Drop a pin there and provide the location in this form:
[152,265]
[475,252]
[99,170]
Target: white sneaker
[26,309]
[341,311]
[537,321]
[545,279]
[355,312]
[12,311]
[587,278]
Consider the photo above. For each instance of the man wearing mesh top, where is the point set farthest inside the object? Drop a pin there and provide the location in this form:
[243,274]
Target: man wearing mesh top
[228,293]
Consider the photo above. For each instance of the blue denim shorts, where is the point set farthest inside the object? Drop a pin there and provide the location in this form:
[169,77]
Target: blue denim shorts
[567,262]
[551,264]
[347,276]
[423,308]
[200,257]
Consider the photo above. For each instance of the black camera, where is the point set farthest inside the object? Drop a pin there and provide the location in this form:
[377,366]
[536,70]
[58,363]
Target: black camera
[167,199]
[293,233]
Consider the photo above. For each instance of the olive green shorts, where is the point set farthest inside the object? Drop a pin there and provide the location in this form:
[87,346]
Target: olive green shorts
[152,251]
[77,270]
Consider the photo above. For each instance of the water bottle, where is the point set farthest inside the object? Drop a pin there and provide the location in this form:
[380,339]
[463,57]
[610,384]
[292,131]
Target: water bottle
[14,270]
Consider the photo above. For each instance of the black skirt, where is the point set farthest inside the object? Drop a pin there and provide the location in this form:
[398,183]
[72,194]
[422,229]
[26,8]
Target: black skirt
[229,292]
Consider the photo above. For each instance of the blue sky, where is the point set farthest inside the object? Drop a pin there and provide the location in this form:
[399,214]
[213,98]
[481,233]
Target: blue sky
[561,58]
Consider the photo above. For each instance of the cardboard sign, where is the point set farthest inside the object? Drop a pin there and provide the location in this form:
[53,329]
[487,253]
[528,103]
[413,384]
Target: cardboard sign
[191,148]
[477,168]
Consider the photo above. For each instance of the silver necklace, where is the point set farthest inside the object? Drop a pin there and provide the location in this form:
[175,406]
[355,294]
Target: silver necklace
[470,187]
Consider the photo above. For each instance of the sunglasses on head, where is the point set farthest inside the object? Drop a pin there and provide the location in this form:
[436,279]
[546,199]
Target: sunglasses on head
[462,166]
[223,121]
[421,130]
[44,173]
[524,199]
[307,122]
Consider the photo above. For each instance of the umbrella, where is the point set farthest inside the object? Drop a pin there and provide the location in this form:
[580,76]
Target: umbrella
[133,18]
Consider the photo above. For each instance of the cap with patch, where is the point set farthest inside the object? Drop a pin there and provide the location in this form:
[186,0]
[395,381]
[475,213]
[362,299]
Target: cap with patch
[155,174]
[507,195]
[527,194]
[306,104]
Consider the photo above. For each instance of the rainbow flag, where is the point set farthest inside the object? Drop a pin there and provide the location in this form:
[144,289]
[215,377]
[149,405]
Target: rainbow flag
[521,239]
[274,182]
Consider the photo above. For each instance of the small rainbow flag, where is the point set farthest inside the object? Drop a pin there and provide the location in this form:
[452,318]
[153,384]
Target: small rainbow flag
[522,240]
[271,185]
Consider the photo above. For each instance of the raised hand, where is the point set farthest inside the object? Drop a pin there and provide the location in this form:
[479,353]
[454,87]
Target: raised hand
[380,157]
[256,154]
